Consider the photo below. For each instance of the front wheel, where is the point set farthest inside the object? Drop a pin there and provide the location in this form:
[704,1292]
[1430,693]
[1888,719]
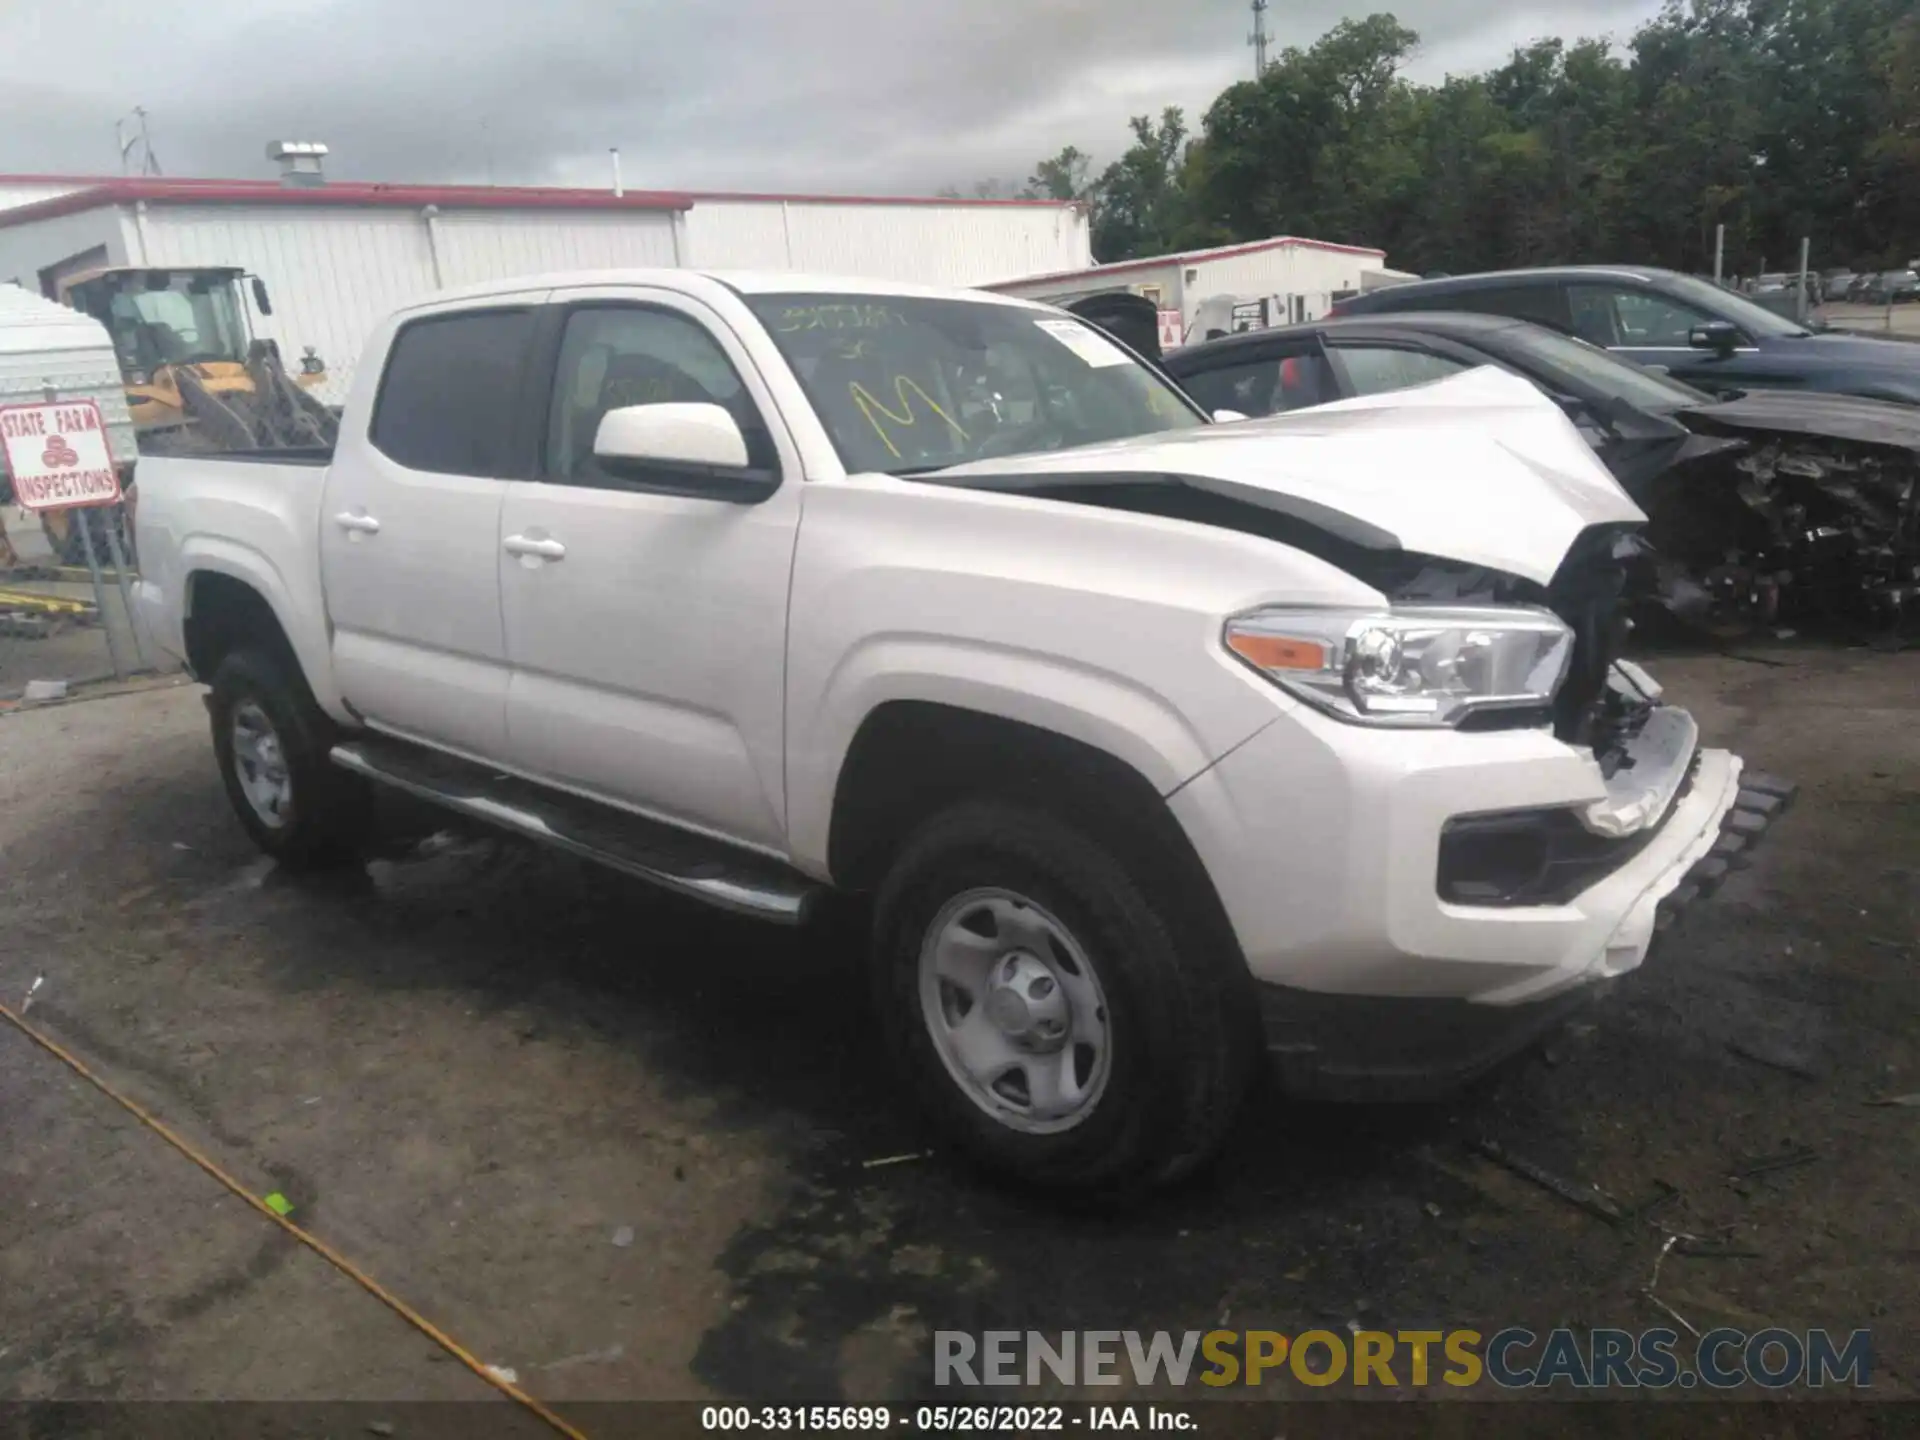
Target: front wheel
[1061,1019]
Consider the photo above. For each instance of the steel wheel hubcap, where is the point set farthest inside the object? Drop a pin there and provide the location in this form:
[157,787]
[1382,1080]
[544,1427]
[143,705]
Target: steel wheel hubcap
[1015,1011]
[260,764]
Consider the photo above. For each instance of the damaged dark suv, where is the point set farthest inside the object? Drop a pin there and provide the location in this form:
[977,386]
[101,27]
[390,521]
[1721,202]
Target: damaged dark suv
[1763,506]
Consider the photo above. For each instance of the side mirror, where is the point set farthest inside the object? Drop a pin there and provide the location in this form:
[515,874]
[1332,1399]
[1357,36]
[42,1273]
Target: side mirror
[260,300]
[1720,335]
[691,449]
[1227,417]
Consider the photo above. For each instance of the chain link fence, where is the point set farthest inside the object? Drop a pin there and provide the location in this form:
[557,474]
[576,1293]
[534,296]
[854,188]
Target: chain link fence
[64,621]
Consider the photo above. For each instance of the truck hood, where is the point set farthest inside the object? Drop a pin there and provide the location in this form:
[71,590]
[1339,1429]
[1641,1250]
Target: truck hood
[1480,467]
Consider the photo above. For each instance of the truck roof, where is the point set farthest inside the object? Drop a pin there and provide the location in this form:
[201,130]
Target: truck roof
[743,282]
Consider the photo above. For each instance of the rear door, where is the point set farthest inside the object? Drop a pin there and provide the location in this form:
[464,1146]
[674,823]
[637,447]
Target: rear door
[646,618]
[410,525]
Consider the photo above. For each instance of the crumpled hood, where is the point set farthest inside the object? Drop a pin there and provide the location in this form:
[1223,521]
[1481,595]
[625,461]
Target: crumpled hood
[1480,467]
[1833,417]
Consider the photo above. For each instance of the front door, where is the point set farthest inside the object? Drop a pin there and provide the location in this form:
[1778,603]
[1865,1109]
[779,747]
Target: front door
[646,619]
[1652,329]
[410,527]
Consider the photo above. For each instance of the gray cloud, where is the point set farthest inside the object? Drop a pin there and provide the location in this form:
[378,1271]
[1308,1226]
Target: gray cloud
[857,95]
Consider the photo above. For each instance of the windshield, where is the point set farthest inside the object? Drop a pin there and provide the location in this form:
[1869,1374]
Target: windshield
[188,319]
[1725,305]
[906,384]
[1595,369]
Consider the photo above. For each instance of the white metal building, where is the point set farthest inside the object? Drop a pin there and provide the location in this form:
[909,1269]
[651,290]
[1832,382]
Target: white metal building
[1284,280]
[336,257]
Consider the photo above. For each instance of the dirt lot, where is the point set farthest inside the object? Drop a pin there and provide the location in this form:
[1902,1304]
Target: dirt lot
[617,1143]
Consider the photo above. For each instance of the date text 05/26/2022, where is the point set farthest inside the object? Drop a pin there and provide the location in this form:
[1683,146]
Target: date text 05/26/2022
[947,1419]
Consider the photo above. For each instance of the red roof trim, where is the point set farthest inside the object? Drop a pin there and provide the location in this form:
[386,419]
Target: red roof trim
[772,199]
[110,190]
[1185,257]
[267,192]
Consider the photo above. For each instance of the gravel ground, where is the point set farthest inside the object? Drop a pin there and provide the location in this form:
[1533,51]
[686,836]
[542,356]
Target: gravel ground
[618,1144]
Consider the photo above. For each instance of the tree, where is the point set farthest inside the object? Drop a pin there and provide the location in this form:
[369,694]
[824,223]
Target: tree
[1143,202]
[1776,118]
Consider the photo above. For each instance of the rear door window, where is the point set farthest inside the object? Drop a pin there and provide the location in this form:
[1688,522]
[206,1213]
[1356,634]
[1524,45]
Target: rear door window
[450,397]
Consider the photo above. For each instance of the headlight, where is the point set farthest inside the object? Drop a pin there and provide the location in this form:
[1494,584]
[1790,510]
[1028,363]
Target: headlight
[1409,667]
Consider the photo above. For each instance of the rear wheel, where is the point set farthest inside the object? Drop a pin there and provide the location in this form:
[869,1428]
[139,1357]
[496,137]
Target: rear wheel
[271,740]
[1054,1010]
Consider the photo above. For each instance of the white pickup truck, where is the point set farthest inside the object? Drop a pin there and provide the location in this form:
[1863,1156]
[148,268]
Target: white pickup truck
[1156,741]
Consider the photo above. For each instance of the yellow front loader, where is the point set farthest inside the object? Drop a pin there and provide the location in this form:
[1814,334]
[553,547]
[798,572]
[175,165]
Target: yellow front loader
[197,379]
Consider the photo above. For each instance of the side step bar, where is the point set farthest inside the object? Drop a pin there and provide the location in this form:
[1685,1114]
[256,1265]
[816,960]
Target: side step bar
[673,859]
[1761,801]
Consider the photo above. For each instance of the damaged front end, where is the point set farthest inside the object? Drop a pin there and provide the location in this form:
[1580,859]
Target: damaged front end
[1647,751]
[1787,526]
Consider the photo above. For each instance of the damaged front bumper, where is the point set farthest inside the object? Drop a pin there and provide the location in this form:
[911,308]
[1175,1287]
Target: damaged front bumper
[1392,963]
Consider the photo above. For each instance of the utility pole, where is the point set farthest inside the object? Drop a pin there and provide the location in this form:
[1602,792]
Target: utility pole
[132,138]
[1259,38]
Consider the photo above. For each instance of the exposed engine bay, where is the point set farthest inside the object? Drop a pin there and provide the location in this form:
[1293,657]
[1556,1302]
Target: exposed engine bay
[1788,528]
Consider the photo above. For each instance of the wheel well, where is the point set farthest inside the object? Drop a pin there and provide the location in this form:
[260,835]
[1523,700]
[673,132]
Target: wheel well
[222,615]
[912,759]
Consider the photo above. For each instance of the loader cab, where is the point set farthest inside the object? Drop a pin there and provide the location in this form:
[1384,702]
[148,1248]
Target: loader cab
[166,317]
[182,337]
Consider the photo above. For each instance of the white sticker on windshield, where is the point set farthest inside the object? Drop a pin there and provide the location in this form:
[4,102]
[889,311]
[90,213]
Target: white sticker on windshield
[1090,345]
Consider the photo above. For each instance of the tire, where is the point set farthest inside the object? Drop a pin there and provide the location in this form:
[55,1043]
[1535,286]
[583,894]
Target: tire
[1156,1095]
[324,812]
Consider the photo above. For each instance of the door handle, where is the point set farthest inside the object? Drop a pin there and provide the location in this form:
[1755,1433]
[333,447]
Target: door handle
[358,522]
[528,545]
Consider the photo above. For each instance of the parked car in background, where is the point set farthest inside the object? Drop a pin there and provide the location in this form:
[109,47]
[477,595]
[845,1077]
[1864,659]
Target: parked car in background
[1834,284]
[1762,506]
[1894,287]
[1707,336]
[1154,741]
[1858,286]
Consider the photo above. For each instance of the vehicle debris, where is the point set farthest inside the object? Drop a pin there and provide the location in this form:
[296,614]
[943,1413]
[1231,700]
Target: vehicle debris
[895,1159]
[1654,1279]
[26,1003]
[1589,1198]
[623,1237]
[1911,1102]
[1773,1059]
[1766,1164]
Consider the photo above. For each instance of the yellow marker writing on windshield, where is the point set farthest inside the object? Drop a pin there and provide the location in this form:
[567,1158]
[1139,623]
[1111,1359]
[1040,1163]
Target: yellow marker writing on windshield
[901,385]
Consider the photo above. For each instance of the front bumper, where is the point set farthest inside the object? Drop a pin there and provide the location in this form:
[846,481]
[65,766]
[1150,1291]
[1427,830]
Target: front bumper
[1324,840]
[1389,1048]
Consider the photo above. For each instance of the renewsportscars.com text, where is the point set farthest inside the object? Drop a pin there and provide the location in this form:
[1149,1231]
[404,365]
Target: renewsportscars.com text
[1513,1358]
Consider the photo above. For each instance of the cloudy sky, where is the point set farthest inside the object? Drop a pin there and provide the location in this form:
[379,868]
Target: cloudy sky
[855,95]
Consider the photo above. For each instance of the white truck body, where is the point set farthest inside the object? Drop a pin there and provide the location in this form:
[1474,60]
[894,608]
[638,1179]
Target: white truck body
[711,666]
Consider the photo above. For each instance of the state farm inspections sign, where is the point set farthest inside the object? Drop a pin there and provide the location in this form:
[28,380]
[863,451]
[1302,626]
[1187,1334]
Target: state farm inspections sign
[58,455]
